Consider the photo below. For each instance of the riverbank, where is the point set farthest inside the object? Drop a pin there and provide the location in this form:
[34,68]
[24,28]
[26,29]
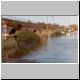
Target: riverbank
[25,43]
[59,49]
[29,38]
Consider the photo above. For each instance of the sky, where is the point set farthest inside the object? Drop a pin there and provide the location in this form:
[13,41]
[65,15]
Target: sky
[62,20]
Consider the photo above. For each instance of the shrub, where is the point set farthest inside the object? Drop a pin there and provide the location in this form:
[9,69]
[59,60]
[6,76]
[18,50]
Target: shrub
[57,34]
[27,39]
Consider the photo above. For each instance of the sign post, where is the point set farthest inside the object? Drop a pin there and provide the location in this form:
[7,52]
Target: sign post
[5,30]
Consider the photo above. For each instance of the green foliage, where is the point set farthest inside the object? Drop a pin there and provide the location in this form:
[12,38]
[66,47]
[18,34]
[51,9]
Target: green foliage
[27,39]
[57,34]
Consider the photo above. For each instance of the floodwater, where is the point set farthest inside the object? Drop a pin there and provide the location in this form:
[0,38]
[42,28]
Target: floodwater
[61,49]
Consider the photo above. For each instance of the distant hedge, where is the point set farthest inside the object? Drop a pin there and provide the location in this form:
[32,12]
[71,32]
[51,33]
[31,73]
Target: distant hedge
[57,33]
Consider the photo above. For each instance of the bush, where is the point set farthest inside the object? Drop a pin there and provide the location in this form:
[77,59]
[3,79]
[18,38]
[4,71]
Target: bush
[27,39]
[57,34]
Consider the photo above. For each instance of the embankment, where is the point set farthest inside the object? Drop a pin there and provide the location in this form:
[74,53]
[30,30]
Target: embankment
[25,42]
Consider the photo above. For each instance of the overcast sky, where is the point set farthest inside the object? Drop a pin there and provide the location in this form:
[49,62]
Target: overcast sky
[62,20]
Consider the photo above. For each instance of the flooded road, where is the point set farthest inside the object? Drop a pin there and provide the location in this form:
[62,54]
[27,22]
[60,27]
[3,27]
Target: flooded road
[61,49]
